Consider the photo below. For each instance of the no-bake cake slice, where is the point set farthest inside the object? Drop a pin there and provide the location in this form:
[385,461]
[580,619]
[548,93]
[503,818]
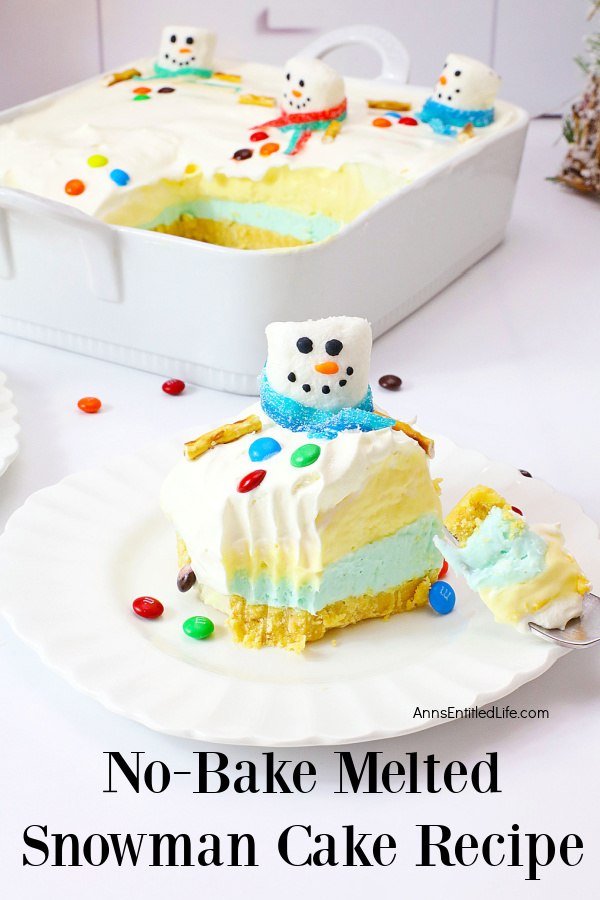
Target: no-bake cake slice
[319,517]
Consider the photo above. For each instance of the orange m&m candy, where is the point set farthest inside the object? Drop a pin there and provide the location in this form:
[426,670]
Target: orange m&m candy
[89,404]
[74,187]
[380,122]
[267,149]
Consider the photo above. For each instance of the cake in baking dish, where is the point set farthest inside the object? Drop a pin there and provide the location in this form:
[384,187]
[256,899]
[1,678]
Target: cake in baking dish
[523,573]
[315,511]
[242,154]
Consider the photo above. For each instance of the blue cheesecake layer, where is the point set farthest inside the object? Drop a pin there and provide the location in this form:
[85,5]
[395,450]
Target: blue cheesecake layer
[408,554]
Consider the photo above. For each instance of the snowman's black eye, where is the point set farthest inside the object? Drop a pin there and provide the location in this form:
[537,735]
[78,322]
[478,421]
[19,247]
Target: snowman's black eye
[173,38]
[457,73]
[304,345]
[334,347]
[444,66]
[291,377]
[349,371]
[301,82]
[288,76]
[189,40]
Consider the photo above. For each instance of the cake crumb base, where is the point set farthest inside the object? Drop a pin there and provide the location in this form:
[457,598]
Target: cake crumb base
[227,234]
[259,625]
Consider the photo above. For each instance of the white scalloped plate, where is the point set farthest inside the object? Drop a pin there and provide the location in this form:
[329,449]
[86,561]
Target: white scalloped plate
[9,428]
[97,540]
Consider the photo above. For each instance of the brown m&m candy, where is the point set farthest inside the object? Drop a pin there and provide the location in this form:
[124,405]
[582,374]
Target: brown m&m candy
[390,382]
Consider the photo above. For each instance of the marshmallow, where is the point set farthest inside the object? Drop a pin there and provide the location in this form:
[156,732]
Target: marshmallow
[466,83]
[323,363]
[310,85]
[183,47]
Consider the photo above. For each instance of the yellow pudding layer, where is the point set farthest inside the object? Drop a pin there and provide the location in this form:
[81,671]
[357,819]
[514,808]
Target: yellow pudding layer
[340,194]
[399,491]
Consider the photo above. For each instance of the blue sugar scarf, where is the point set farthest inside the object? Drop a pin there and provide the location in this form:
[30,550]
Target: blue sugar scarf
[447,119]
[320,423]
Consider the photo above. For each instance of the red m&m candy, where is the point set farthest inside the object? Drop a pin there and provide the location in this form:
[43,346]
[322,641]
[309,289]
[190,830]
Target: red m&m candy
[443,570]
[148,607]
[251,481]
[173,386]
[259,136]
[407,120]
[516,510]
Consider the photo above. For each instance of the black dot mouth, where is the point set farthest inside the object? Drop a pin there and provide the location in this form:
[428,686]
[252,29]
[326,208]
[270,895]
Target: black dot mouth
[326,389]
[343,382]
[349,371]
[306,388]
[292,377]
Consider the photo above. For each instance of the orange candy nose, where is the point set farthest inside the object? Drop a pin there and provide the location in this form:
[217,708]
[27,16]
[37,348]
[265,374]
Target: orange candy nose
[185,50]
[442,79]
[297,93]
[328,368]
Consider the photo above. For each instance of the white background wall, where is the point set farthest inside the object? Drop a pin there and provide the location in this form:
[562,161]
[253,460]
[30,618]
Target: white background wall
[47,44]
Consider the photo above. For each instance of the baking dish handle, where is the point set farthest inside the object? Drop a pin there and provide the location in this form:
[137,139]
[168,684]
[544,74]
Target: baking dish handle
[395,60]
[98,240]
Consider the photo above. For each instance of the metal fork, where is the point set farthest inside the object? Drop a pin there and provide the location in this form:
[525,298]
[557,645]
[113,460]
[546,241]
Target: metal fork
[578,633]
[581,632]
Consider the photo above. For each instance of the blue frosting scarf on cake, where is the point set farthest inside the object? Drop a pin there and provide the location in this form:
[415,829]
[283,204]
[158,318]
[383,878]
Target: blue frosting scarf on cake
[320,423]
[160,72]
[448,120]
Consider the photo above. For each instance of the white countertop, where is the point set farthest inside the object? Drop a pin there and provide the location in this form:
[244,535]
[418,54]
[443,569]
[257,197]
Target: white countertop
[505,360]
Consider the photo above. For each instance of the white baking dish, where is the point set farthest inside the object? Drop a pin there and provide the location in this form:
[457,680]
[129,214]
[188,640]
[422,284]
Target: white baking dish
[198,311]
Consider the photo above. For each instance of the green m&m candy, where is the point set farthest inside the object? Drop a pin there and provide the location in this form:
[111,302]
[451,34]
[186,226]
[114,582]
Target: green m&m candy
[198,627]
[305,455]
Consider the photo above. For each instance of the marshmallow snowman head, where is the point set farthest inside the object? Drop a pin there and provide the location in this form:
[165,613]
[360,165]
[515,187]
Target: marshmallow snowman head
[466,83]
[323,363]
[184,47]
[310,85]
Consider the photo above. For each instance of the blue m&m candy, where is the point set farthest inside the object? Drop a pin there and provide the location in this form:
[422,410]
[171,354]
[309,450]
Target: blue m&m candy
[442,597]
[263,448]
[120,177]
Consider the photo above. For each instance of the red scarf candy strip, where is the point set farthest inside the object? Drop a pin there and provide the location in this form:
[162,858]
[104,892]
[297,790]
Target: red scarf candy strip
[303,118]
[302,140]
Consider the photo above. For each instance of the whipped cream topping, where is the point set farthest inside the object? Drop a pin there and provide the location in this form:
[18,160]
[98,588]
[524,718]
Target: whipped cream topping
[201,123]
[277,529]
